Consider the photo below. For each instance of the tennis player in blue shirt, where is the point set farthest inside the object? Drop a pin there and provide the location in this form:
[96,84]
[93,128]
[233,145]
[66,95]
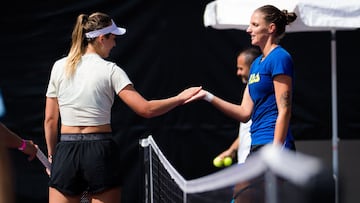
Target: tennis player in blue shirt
[267,99]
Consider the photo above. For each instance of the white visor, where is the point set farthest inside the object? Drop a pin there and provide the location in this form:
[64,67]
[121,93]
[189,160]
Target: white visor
[106,30]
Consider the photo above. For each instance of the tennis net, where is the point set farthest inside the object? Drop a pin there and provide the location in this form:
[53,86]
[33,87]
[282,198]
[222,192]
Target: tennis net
[273,175]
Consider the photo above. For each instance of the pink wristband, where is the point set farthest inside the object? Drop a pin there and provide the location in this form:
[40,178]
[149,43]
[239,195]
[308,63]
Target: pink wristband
[23,145]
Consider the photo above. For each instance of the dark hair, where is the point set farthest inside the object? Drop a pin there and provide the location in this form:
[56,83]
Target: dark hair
[250,54]
[279,18]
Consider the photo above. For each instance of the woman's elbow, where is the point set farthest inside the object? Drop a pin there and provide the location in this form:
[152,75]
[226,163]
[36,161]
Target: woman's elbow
[285,113]
[50,121]
[145,112]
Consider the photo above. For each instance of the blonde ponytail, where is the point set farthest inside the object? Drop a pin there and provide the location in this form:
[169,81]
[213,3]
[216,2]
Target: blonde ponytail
[78,45]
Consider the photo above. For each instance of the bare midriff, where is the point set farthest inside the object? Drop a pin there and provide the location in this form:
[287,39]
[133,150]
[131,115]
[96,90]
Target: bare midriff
[86,129]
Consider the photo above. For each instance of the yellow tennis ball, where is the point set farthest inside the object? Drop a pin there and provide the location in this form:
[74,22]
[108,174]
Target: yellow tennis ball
[227,161]
[218,162]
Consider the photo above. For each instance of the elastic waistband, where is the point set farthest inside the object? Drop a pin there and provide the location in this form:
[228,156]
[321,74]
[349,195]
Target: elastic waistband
[85,137]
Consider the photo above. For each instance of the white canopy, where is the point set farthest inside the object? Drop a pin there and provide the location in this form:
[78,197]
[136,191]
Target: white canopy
[312,15]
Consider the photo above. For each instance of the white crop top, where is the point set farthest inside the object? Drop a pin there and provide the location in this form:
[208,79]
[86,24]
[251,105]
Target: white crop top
[86,98]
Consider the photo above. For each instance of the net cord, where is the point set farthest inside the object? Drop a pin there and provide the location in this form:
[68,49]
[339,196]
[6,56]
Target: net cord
[299,168]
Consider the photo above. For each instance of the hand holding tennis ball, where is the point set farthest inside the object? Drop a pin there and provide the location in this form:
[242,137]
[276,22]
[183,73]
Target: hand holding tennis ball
[227,161]
[218,162]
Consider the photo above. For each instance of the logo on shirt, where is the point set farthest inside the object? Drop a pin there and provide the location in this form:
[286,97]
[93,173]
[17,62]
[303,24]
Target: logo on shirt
[254,78]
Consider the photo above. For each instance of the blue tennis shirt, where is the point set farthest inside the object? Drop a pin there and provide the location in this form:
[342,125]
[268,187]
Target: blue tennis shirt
[262,92]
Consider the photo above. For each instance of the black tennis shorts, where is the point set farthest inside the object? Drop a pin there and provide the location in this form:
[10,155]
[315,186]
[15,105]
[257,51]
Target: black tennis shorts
[91,163]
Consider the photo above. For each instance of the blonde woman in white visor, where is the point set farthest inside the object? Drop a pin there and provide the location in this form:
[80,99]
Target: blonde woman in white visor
[80,93]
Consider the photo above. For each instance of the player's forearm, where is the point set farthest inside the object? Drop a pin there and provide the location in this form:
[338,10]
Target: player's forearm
[281,128]
[234,146]
[51,133]
[159,107]
[234,111]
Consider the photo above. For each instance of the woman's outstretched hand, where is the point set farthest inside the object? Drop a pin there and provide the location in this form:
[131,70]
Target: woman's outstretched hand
[189,93]
[200,95]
